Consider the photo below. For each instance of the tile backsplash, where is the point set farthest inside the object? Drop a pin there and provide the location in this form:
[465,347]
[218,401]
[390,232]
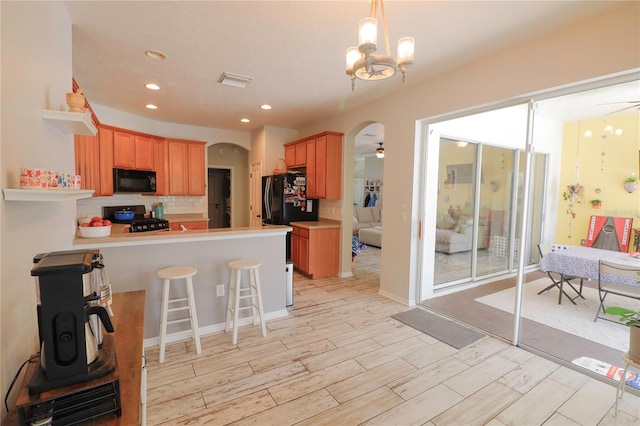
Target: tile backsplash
[172,205]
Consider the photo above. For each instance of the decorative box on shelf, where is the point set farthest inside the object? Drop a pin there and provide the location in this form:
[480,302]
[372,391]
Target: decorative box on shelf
[75,123]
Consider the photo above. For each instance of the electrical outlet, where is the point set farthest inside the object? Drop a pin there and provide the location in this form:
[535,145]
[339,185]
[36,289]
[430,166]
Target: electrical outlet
[220,290]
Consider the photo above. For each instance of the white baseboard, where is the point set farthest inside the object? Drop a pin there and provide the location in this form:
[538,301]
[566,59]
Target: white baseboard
[395,298]
[210,329]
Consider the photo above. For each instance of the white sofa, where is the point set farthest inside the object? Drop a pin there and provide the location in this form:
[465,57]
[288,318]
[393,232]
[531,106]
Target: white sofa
[453,236]
[366,217]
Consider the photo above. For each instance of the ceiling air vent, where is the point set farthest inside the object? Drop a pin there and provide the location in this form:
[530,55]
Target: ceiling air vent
[234,80]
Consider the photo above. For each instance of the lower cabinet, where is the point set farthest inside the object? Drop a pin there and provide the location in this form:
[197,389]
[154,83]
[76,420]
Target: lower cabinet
[316,252]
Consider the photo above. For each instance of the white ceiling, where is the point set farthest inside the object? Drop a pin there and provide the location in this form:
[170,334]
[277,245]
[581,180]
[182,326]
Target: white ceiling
[294,50]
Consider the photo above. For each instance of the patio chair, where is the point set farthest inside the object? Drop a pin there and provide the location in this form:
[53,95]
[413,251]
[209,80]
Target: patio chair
[558,279]
[610,271]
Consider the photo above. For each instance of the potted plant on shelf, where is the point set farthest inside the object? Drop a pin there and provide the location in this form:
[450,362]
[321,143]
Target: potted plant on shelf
[596,204]
[631,183]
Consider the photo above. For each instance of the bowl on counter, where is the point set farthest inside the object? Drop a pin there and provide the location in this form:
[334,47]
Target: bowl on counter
[94,231]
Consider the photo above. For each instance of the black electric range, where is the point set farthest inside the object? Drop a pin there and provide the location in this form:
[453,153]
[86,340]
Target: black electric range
[139,223]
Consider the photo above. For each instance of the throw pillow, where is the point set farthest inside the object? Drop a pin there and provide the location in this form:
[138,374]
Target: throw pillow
[445,222]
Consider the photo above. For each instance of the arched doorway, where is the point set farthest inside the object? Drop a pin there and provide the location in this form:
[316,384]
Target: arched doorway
[364,183]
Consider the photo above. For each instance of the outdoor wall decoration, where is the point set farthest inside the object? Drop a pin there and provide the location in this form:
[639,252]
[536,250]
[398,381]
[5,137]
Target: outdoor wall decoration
[574,194]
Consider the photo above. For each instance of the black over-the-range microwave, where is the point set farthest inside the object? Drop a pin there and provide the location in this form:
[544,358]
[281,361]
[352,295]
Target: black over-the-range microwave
[136,181]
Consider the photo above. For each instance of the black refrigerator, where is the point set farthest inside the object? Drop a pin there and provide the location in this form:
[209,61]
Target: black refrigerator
[284,201]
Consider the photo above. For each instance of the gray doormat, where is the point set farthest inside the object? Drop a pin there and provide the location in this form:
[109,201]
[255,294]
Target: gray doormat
[445,330]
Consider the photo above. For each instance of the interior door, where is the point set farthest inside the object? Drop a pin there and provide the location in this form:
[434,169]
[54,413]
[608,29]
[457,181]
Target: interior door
[255,194]
[219,191]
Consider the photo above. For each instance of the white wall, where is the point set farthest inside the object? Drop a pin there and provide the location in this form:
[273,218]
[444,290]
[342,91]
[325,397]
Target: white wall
[33,34]
[597,47]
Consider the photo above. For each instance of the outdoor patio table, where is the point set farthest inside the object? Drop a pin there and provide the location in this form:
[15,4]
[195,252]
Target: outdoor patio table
[584,262]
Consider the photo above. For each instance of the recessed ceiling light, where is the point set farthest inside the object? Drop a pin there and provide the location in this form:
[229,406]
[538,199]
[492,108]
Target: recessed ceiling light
[265,106]
[245,120]
[151,106]
[154,55]
[235,80]
[152,86]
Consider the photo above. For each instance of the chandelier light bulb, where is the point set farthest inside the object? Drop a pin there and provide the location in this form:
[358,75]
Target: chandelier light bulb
[588,133]
[405,51]
[353,54]
[369,32]
[608,128]
[618,132]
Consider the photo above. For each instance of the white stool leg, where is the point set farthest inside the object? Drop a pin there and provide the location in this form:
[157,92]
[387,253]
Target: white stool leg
[163,318]
[230,296]
[254,297]
[260,309]
[193,314]
[236,308]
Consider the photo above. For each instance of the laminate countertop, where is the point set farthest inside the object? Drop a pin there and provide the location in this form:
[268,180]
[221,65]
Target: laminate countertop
[318,224]
[120,238]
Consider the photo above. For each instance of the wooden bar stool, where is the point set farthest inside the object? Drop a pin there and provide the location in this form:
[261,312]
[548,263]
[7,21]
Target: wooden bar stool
[176,273]
[237,292]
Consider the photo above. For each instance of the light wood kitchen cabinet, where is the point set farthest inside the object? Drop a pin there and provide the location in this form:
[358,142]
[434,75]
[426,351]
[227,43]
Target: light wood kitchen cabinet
[196,180]
[124,151]
[323,163]
[186,167]
[94,161]
[179,164]
[144,159]
[87,159]
[295,154]
[178,173]
[106,161]
[160,166]
[328,166]
[316,252]
[132,151]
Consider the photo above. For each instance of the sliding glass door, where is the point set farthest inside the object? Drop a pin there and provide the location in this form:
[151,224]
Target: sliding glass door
[480,181]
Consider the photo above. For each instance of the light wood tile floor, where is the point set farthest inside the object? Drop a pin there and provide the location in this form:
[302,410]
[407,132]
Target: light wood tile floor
[340,359]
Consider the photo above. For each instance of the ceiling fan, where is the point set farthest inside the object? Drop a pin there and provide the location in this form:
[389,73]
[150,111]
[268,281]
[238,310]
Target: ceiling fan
[380,151]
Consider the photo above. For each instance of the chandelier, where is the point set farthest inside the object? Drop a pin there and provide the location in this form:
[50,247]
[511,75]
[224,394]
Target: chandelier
[364,63]
[380,151]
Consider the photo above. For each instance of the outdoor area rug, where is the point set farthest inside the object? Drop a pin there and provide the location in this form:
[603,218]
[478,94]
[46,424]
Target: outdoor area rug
[573,319]
[445,330]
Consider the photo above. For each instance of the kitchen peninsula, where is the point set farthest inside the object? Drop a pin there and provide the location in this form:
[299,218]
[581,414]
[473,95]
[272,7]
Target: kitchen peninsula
[132,259]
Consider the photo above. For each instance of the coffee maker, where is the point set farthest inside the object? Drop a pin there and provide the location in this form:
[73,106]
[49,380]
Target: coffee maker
[67,303]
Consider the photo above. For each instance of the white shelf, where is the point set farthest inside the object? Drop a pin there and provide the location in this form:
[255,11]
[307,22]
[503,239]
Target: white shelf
[46,194]
[75,123]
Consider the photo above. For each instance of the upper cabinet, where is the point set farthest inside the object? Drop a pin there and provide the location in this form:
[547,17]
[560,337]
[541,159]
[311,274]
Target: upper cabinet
[321,155]
[160,159]
[179,164]
[186,167]
[132,151]
[295,154]
[94,161]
